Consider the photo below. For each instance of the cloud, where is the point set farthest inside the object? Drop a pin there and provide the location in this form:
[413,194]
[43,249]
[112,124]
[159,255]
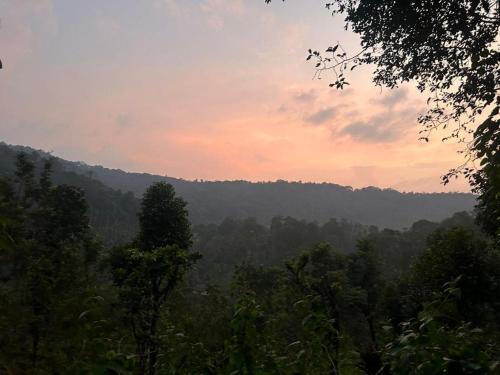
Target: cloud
[108,26]
[321,116]
[217,10]
[306,96]
[390,117]
[123,120]
[171,7]
[282,109]
[214,12]
[22,25]
[373,130]
[383,127]
[394,97]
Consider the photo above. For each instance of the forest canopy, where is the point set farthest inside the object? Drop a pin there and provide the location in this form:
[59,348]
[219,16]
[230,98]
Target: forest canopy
[296,297]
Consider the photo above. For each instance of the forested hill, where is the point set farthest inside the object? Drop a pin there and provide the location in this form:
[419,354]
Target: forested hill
[213,201]
[111,212]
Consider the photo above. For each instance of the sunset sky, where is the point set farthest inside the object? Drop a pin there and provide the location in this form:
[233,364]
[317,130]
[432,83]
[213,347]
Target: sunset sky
[206,89]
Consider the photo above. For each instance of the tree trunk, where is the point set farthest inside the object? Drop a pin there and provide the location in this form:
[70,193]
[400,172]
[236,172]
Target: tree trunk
[153,344]
[34,348]
[371,327]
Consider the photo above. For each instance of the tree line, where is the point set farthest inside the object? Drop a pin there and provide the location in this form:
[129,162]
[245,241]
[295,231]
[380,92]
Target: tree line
[113,204]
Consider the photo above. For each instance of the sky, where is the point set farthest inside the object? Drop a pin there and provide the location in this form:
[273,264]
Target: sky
[207,89]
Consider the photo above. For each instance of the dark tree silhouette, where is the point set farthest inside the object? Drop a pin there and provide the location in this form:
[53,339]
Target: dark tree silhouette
[147,273]
[450,50]
[163,218]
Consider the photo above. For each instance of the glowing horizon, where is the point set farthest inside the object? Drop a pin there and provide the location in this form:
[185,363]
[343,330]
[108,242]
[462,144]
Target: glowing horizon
[206,89]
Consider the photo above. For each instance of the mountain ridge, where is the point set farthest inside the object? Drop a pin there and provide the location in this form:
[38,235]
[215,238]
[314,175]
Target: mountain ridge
[213,201]
[80,164]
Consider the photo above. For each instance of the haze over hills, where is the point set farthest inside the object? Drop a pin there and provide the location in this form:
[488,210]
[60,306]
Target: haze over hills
[213,201]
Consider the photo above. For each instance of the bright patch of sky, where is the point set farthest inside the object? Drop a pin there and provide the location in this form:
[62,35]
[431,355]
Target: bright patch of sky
[211,89]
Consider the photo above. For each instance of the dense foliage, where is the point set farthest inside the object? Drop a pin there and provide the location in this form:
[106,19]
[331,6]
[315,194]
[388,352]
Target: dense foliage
[294,297]
[450,50]
[147,272]
[234,242]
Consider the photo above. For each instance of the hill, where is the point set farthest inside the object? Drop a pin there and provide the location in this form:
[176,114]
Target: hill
[213,201]
[112,213]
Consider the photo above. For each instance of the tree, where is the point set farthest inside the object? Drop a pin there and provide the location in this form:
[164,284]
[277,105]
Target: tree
[45,270]
[242,349]
[486,181]
[429,344]
[450,50]
[458,253]
[163,219]
[344,294]
[364,274]
[147,273]
[320,273]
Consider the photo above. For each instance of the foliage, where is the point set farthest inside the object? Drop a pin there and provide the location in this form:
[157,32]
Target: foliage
[163,219]
[438,342]
[112,214]
[450,50]
[46,269]
[486,181]
[243,345]
[455,253]
[295,304]
[147,275]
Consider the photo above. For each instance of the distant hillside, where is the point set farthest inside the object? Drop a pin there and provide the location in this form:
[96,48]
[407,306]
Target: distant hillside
[235,242]
[213,201]
[112,213]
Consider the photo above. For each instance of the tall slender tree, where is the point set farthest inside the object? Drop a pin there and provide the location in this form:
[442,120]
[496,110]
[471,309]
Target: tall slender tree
[148,272]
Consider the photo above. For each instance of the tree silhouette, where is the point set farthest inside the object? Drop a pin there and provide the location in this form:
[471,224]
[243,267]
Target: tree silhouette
[147,273]
[450,50]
